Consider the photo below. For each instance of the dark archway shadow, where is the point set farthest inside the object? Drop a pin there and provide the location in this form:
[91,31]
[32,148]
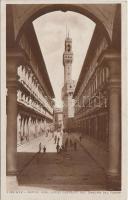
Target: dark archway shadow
[64,8]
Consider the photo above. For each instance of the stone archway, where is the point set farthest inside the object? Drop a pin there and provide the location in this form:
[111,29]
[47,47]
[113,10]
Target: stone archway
[24,14]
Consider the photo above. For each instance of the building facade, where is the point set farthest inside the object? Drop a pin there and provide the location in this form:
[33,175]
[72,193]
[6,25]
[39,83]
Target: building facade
[34,98]
[58,118]
[91,94]
[98,100]
[69,84]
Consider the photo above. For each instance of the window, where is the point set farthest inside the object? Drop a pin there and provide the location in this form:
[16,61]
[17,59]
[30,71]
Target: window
[68,47]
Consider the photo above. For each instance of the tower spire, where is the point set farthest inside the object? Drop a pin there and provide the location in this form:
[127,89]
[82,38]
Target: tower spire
[67,31]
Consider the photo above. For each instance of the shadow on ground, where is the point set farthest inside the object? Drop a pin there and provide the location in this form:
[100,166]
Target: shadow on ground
[68,171]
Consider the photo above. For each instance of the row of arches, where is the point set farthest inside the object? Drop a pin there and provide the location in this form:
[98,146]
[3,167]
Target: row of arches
[94,127]
[30,127]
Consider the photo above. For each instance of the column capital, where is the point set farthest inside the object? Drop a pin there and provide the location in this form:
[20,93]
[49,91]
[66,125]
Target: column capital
[112,59]
[109,55]
[16,56]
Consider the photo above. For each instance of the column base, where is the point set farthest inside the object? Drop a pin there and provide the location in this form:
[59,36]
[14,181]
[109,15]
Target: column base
[12,173]
[114,182]
[11,183]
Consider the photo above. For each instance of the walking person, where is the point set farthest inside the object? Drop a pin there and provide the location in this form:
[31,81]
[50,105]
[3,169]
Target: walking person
[58,139]
[55,139]
[57,148]
[66,144]
[80,138]
[44,149]
[39,147]
[38,155]
[21,139]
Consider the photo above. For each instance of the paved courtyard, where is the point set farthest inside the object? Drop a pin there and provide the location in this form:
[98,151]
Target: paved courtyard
[71,170]
[33,145]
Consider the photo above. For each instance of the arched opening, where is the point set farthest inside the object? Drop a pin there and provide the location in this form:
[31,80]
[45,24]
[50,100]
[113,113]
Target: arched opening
[64,8]
[93,71]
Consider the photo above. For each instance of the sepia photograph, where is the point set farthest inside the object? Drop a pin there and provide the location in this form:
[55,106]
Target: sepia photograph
[62,109]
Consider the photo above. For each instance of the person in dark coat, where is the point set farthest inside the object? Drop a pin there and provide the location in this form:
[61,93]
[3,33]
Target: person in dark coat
[57,148]
[58,139]
[21,139]
[44,149]
[55,139]
[39,147]
[80,138]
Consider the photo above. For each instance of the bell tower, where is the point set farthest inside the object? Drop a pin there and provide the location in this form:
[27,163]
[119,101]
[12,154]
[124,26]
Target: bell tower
[69,84]
[67,60]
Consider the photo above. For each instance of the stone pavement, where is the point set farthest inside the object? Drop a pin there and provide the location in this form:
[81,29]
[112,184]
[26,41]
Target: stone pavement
[33,145]
[67,171]
[95,150]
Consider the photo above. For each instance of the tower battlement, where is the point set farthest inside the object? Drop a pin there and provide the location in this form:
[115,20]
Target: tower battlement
[69,84]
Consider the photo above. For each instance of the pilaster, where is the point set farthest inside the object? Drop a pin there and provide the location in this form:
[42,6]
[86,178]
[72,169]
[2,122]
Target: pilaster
[112,60]
[14,58]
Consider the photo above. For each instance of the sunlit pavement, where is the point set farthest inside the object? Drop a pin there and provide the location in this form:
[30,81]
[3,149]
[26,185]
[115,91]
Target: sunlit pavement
[70,171]
[33,145]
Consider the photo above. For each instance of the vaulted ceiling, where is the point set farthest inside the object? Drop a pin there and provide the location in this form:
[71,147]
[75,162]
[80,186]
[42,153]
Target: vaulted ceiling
[102,14]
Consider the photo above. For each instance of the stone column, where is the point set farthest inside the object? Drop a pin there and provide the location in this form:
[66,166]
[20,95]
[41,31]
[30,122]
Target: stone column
[29,127]
[25,128]
[88,127]
[11,126]
[96,127]
[22,127]
[113,61]
[13,60]
[114,116]
[18,128]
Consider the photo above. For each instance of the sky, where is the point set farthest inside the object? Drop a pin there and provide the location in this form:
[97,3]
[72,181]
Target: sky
[51,33]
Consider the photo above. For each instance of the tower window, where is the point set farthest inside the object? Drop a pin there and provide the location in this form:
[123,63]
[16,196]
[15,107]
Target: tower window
[68,47]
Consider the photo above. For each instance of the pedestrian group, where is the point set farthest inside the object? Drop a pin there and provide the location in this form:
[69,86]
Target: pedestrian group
[64,147]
